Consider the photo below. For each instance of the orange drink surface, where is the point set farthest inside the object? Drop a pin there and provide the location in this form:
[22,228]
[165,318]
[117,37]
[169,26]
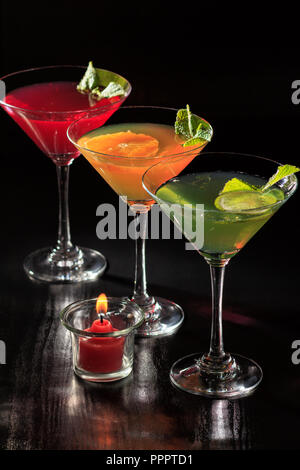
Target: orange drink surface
[121,153]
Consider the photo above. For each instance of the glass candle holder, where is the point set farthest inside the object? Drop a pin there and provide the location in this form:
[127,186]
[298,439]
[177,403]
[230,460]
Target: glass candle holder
[102,344]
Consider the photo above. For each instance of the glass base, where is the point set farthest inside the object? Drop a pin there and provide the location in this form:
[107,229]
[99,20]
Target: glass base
[102,378]
[164,318]
[75,265]
[186,374]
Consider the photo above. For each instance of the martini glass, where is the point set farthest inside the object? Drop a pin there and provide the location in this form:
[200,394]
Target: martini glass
[43,102]
[123,172]
[226,228]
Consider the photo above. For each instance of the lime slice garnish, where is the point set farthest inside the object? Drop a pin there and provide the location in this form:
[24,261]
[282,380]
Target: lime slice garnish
[236,201]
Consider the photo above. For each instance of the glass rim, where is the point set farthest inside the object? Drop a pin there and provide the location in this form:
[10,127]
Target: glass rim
[86,110]
[186,152]
[89,334]
[292,177]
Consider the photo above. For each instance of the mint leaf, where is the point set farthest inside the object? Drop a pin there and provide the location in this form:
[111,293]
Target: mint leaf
[237,185]
[183,123]
[282,172]
[89,80]
[192,128]
[112,89]
[201,136]
[97,83]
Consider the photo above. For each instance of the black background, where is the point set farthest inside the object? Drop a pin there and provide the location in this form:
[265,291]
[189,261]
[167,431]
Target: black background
[235,68]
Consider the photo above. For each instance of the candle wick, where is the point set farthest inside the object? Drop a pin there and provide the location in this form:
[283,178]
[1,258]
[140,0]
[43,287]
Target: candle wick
[101,318]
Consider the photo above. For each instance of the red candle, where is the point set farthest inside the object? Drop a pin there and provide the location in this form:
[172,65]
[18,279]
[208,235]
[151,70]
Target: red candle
[101,355]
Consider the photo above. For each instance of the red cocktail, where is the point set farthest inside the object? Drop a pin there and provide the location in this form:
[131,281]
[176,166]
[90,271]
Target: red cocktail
[44,102]
[58,104]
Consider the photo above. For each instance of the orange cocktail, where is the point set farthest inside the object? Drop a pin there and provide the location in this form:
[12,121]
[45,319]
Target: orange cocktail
[136,138]
[121,154]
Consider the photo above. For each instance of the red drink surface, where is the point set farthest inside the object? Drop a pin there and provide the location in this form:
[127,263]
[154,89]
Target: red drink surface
[101,355]
[47,110]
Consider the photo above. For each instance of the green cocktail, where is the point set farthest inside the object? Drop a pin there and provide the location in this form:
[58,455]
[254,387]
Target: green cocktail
[226,198]
[225,230]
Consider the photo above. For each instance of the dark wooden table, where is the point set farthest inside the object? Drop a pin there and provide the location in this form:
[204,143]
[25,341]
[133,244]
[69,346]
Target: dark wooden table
[45,406]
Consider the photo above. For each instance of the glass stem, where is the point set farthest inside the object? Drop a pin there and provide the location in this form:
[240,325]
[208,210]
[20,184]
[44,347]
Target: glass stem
[140,295]
[217,363]
[216,340]
[64,237]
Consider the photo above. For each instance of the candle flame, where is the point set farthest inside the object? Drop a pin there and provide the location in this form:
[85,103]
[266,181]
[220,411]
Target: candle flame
[101,304]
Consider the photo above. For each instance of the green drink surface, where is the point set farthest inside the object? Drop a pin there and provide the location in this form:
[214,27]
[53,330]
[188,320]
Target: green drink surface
[225,232]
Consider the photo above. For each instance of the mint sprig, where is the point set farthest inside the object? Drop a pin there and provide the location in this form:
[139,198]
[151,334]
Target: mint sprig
[95,83]
[192,128]
[282,172]
[238,185]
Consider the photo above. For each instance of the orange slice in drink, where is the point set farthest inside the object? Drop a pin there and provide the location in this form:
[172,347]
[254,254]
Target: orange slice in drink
[124,144]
